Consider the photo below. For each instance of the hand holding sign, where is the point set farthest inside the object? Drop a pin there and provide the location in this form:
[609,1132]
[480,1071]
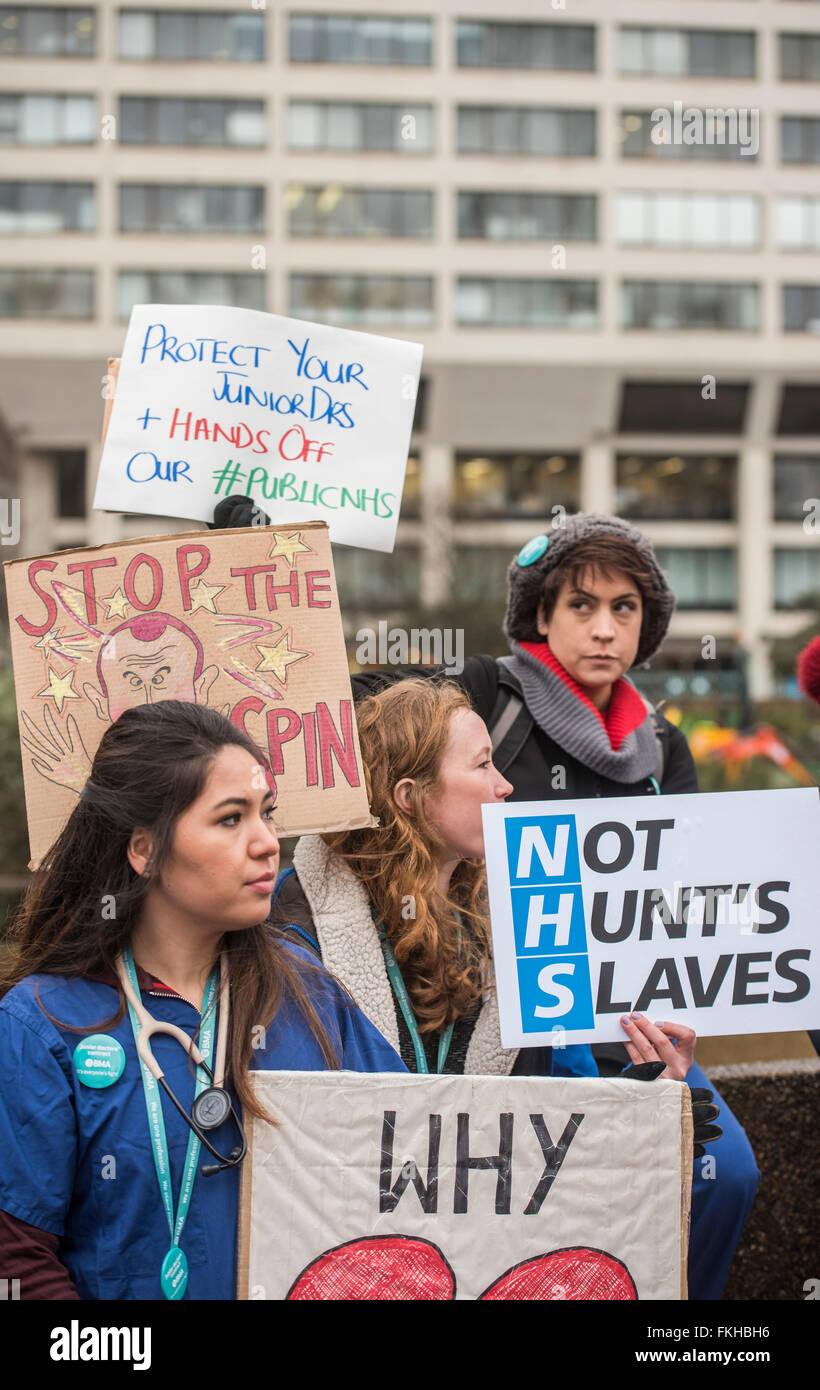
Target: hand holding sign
[650,1042]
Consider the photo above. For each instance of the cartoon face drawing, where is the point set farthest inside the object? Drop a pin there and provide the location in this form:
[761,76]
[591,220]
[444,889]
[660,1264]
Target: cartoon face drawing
[148,658]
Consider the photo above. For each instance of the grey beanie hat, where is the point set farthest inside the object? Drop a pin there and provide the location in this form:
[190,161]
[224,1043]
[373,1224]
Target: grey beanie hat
[527,572]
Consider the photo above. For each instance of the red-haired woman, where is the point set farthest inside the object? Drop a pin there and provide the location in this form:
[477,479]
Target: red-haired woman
[399,911]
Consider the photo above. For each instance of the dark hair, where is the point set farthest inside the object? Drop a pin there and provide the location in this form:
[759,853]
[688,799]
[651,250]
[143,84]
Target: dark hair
[604,554]
[151,764]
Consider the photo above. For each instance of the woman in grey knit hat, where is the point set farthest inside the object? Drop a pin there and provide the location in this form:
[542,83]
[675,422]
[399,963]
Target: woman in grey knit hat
[587,602]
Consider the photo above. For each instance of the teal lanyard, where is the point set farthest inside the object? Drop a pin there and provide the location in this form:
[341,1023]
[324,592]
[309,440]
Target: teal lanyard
[400,991]
[174,1284]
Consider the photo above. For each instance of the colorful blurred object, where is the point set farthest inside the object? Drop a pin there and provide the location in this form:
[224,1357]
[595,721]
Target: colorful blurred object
[808,670]
[711,743]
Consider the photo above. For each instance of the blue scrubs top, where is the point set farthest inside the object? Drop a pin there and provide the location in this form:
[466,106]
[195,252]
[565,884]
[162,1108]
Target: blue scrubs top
[78,1162]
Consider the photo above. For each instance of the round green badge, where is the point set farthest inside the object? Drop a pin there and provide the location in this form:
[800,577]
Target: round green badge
[533,550]
[99,1060]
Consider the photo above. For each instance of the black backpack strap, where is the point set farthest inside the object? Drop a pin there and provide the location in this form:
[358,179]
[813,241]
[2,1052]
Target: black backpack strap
[658,727]
[510,723]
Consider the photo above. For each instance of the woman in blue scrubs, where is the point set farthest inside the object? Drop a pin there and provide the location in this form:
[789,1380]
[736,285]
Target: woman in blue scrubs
[162,876]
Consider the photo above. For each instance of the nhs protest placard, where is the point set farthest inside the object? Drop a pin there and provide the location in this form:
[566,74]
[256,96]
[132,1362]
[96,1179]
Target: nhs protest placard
[700,909]
[308,420]
[246,621]
[465,1187]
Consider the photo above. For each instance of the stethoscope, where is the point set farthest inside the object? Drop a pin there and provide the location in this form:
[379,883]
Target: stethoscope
[213,1106]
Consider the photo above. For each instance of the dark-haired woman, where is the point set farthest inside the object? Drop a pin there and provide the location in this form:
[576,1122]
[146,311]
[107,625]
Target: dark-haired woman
[157,891]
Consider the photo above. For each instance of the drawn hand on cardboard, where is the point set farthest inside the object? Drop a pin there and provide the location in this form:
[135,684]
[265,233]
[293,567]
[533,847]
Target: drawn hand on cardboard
[390,1268]
[58,754]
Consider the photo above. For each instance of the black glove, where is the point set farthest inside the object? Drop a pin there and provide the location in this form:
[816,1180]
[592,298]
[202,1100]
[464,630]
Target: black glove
[703,1109]
[238,511]
[644,1071]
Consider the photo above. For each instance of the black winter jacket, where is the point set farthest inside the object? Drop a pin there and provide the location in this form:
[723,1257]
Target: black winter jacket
[534,767]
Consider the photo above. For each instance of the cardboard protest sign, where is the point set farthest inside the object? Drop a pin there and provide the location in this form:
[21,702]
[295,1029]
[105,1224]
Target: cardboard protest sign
[700,909]
[246,621]
[465,1187]
[310,421]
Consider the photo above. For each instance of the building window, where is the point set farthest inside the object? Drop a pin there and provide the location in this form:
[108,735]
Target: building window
[641,137]
[674,487]
[542,130]
[70,469]
[343,38]
[700,577]
[411,495]
[28,292]
[686,52]
[558,303]
[191,208]
[199,35]
[369,579]
[688,219]
[678,407]
[480,573]
[799,409]
[359,125]
[46,31]
[800,57]
[191,121]
[797,578]
[333,211]
[797,223]
[800,139]
[39,118]
[515,485]
[240,291]
[796,481]
[363,299]
[528,216]
[672,305]
[560,47]
[801,308]
[46,207]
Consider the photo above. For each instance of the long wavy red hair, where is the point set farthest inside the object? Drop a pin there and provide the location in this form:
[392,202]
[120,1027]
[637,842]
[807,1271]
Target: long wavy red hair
[441,944]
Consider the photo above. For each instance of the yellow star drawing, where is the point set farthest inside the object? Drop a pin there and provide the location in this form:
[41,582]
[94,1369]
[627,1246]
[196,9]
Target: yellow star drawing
[279,657]
[116,604]
[288,545]
[59,688]
[203,595]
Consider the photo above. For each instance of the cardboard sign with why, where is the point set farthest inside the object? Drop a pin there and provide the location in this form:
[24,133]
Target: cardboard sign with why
[700,909]
[465,1187]
[245,621]
[309,420]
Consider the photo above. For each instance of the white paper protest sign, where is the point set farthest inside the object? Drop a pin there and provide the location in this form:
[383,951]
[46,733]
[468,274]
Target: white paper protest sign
[310,421]
[391,1187]
[700,909]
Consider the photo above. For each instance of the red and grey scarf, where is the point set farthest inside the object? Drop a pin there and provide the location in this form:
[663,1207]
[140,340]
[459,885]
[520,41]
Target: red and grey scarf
[619,744]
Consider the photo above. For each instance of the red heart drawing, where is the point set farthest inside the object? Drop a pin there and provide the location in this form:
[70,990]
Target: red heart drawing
[381,1267]
[406,1268]
[577,1272]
